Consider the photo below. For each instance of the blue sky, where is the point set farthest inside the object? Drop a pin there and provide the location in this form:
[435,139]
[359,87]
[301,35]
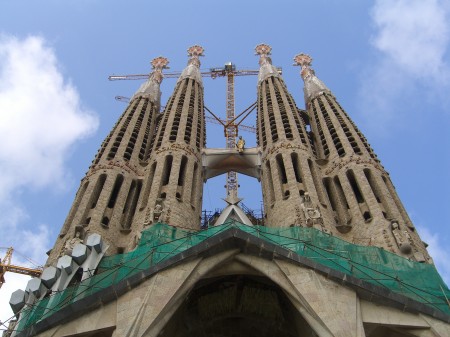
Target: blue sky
[387,62]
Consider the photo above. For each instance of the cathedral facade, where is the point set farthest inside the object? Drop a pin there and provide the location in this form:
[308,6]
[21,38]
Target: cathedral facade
[337,256]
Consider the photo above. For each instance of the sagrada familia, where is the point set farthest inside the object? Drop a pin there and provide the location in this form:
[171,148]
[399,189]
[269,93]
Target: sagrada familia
[337,254]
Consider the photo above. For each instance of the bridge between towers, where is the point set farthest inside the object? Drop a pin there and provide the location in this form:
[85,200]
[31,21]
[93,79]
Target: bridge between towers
[217,161]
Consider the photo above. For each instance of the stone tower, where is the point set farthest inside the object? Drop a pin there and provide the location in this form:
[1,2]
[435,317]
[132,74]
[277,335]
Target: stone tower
[337,255]
[107,200]
[174,184]
[360,200]
[289,174]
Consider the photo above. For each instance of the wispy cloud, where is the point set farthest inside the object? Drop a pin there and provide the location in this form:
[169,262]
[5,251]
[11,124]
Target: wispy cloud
[413,35]
[411,38]
[41,118]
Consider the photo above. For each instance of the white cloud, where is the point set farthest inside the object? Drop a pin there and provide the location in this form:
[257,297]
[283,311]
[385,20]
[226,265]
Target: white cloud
[413,34]
[41,117]
[412,39]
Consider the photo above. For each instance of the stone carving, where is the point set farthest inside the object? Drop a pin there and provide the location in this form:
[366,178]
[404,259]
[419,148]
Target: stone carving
[403,241]
[156,214]
[175,147]
[284,146]
[135,242]
[305,62]
[158,210]
[312,214]
[126,166]
[263,50]
[299,217]
[387,239]
[166,218]
[416,253]
[338,164]
[147,217]
[240,144]
[70,243]
[194,52]
[159,63]
[309,216]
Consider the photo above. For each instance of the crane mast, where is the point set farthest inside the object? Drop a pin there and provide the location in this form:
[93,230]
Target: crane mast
[230,125]
[231,131]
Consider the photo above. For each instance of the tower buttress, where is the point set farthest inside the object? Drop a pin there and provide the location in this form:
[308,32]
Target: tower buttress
[106,202]
[174,184]
[289,179]
[365,205]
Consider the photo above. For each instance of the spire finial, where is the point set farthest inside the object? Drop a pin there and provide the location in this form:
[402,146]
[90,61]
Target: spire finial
[304,61]
[313,86]
[194,52]
[264,50]
[158,64]
[150,88]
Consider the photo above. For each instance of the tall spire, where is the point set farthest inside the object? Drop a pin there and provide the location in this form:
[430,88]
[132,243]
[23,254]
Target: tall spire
[265,62]
[173,190]
[151,88]
[313,86]
[193,68]
[289,173]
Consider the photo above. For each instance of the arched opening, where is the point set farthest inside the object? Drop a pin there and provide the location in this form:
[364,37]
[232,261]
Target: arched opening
[236,305]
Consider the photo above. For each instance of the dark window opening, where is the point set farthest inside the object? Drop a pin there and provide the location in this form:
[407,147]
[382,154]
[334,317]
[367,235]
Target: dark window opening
[105,221]
[295,164]
[281,169]
[115,191]
[355,187]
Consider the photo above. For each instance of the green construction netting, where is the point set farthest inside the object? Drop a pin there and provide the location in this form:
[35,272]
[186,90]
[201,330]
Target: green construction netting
[418,281]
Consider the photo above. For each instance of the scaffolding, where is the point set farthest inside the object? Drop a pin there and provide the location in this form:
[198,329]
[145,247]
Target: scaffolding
[393,274]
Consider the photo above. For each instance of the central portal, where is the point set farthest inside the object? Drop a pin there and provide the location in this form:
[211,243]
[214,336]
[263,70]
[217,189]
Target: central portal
[237,305]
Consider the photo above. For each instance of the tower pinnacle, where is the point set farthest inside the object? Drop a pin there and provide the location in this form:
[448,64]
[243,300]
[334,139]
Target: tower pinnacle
[158,64]
[150,88]
[193,68]
[265,62]
[313,86]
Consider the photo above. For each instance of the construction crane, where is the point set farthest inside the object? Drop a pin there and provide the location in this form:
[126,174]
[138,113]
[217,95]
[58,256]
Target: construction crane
[209,119]
[231,126]
[5,265]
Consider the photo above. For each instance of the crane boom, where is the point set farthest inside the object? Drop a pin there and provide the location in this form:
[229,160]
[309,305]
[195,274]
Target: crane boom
[213,73]
[242,127]
[5,265]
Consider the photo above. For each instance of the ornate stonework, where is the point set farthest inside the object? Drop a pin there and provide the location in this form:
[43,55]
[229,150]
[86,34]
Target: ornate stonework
[279,147]
[175,147]
[339,164]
